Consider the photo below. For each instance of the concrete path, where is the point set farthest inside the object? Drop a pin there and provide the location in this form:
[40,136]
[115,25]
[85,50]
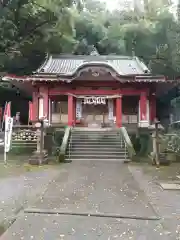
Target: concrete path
[52,227]
[90,200]
[19,191]
[166,203]
[96,188]
[96,200]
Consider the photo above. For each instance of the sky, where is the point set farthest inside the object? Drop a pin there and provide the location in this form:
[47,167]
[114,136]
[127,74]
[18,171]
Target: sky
[113,4]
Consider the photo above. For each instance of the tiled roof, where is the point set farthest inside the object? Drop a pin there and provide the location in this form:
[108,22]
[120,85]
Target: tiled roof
[68,65]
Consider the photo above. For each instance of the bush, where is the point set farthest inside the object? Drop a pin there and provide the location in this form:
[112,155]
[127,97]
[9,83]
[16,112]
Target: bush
[24,149]
[142,144]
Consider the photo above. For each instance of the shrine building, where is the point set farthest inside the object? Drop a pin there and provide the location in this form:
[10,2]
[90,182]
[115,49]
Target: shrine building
[81,90]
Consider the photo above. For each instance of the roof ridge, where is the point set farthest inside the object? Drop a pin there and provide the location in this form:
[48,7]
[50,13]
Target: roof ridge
[106,57]
[142,64]
[43,64]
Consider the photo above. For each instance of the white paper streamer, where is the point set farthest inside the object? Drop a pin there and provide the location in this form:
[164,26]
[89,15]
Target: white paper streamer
[94,100]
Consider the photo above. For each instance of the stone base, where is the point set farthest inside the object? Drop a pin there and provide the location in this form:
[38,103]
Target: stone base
[127,161]
[144,124]
[39,158]
[163,159]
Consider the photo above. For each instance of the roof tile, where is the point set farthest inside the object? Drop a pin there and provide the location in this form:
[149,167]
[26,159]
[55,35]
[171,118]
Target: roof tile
[68,65]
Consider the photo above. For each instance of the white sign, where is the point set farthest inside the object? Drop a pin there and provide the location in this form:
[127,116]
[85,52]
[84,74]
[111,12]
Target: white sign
[78,109]
[94,100]
[8,133]
[41,106]
[111,109]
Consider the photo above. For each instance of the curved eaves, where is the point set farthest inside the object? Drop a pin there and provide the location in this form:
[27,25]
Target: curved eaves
[85,65]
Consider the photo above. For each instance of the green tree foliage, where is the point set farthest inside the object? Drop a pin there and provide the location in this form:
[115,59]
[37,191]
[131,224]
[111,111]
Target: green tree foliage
[32,28]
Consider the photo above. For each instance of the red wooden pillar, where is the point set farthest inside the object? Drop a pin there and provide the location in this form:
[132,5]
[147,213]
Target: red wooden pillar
[74,107]
[70,110]
[143,106]
[152,107]
[119,112]
[35,106]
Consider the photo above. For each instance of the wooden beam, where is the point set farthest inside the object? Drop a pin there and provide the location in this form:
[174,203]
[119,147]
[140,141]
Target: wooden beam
[60,91]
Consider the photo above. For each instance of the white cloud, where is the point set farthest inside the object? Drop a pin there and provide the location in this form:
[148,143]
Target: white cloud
[114,4]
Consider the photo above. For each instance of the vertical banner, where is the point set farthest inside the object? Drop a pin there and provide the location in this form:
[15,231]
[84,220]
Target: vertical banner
[1,117]
[8,135]
[111,109]
[144,118]
[78,109]
[7,110]
[41,108]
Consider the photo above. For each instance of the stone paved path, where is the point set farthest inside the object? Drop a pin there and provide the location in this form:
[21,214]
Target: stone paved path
[92,187]
[43,227]
[166,203]
[18,191]
[95,187]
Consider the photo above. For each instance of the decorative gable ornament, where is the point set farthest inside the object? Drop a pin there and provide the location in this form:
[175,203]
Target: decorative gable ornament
[94,100]
[95,74]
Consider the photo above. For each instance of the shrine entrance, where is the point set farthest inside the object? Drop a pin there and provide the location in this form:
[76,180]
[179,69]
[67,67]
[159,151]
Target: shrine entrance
[95,114]
[95,111]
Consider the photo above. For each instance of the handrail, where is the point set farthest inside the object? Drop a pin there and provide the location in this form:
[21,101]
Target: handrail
[128,142]
[123,144]
[70,148]
[64,144]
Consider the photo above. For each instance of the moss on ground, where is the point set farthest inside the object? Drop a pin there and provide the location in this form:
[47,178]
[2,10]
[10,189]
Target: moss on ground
[143,146]
[18,166]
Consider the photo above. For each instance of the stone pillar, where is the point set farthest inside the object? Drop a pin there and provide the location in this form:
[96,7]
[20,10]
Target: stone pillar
[119,111]
[70,110]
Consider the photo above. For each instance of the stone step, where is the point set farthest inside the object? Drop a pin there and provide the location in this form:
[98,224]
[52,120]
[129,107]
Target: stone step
[95,152]
[95,156]
[101,148]
[97,134]
[95,144]
[113,148]
[96,139]
[104,159]
[109,130]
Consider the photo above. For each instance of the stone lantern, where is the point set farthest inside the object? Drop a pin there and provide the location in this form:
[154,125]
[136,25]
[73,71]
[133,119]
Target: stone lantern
[40,156]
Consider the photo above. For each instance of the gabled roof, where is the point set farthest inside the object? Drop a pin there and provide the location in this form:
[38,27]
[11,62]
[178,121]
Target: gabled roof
[68,65]
[67,68]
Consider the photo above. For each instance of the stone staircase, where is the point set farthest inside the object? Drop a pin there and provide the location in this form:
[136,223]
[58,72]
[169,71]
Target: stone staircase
[96,144]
